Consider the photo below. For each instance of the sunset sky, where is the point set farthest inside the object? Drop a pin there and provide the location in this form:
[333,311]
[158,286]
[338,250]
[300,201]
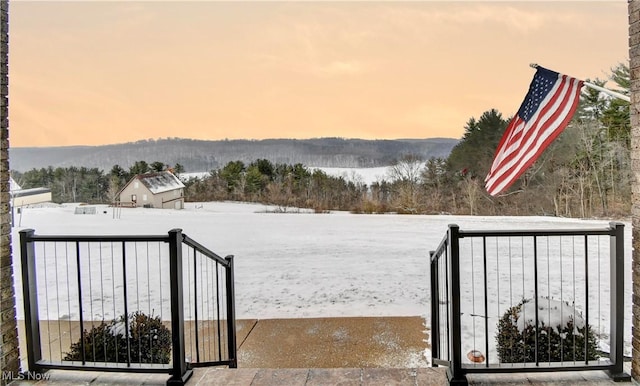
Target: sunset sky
[90,73]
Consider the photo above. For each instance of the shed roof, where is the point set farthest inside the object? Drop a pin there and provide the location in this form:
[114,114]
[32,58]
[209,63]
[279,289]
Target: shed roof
[160,182]
[29,192]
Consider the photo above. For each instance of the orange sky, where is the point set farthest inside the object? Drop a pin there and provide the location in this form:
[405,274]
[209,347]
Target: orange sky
[89,73]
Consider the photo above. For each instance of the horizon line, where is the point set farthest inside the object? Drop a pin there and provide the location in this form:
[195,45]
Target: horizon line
[146,140]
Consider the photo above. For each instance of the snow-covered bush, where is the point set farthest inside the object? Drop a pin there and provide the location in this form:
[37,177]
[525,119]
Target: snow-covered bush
[149,341]
[561,333]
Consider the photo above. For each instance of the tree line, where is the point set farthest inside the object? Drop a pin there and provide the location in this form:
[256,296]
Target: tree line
[90,185]
[584,173]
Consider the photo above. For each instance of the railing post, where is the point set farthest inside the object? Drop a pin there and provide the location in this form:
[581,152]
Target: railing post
[80,311]
[231,314]
[30,300]
[180,373]
[454,373]
[435,316]
[617,304]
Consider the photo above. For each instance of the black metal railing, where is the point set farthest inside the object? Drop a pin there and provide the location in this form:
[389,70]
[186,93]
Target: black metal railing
[151,304]
[209,313]
[480,279]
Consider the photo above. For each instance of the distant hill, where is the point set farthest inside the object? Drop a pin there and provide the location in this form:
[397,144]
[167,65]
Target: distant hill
[198,155]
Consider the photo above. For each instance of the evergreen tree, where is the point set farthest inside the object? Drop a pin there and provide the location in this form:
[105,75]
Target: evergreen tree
[474,153]
[231,173]
[265,167]
[178,169]
[157,166]
[139,167]
[255,181]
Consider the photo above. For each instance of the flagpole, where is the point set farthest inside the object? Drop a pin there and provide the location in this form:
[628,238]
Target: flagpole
[601,89]
[607,91]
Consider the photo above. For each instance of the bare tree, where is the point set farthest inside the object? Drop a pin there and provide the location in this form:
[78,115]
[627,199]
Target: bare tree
[406,176]
[472,192]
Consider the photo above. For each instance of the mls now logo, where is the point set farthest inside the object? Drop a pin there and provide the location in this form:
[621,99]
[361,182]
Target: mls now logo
[29,376]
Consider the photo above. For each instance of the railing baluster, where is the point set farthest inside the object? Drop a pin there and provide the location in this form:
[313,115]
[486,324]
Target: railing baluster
[535,297]
[586,296]
[93,338]
[137,308]
[68,282]
[447,295]
[548,294]
[126,302]
[435,299]
[486,303]
[498,274]
[113,293]
[561,298]
[104,346]
[210,311]
[443,265]
[46,301]
[149,310]
[218,310]
[473,293]
[574,294]
[195,303]
[79,277]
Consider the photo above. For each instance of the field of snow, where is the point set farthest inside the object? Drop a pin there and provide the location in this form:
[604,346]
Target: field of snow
[299,264]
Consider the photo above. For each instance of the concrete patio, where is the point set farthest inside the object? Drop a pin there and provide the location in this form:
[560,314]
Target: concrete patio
[326,351]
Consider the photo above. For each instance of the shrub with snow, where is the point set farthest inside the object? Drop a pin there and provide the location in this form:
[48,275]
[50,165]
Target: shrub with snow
[149,341]
[562,334]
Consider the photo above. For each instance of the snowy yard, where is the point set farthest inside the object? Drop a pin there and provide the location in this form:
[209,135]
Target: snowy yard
[301,265]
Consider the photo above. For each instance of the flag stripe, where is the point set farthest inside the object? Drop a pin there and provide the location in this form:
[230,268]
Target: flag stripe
[530,155]
[546,130]
[547,109]
[535,135]
[515,144]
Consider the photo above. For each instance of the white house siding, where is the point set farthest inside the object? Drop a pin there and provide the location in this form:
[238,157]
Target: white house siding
[167,200]
[139,190]
[32,199]
[161,195]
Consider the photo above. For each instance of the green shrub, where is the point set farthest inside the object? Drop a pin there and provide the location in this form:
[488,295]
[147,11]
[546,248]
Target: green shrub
[149,341]
[561,333]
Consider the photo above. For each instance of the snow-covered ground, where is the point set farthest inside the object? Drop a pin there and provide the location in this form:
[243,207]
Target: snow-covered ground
[300,264]
[366,176]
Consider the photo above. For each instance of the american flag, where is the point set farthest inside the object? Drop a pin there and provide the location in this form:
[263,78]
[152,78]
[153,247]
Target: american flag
[546,111]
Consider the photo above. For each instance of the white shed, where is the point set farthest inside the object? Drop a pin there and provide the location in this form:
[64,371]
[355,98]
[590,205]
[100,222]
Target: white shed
[153,190]
[24,197]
